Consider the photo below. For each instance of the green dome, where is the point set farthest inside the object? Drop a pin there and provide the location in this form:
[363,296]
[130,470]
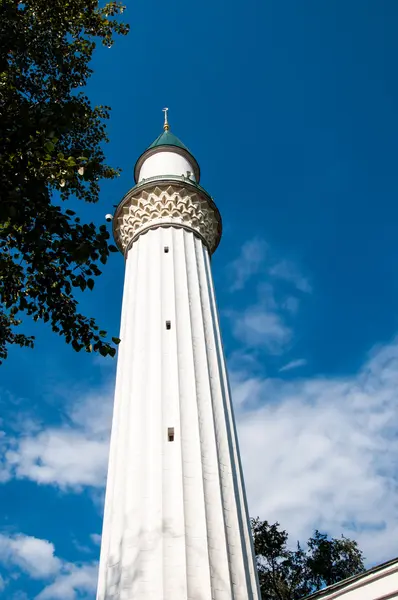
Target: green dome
[166,138]
[164,141]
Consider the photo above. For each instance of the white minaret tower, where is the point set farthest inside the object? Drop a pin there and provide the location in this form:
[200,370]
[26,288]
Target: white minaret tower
[176,522]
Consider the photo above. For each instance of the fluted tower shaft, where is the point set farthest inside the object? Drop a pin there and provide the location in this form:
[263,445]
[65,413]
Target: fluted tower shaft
[176,522]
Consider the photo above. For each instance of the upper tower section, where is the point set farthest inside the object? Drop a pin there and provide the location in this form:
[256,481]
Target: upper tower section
[166,157]
[167,194]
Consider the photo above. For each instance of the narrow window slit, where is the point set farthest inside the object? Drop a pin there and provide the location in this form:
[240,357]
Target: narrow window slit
[168,324]
[170,434]
[166,249]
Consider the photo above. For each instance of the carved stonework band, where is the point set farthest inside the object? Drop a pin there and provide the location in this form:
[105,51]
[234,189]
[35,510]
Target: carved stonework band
[170,204]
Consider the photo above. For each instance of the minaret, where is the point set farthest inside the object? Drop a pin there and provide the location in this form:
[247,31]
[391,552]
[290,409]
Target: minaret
[176,522]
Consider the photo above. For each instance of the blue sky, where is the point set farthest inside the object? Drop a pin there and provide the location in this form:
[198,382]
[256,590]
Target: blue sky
[291,109]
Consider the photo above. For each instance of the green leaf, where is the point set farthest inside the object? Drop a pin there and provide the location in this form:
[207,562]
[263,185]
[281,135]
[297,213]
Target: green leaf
[76,346]
[116,340]
[49,146]
[104,350]
[45,254]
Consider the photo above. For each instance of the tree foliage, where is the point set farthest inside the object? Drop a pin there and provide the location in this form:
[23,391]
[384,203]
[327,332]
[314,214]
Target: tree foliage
[287,574]
[51,141]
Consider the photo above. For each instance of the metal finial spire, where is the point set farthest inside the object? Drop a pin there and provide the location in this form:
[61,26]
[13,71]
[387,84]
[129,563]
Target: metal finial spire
[166,125]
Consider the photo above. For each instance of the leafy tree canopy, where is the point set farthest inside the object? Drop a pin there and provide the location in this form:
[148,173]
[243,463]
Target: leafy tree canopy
[51,141]
[287,574]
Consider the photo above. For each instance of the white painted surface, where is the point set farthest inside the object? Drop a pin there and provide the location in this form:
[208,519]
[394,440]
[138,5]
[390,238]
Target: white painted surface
[378,584]
[166,163]
[176,522]
[167,205]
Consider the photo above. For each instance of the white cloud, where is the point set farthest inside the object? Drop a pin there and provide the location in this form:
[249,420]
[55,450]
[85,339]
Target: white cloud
[248,263]
[5,473]
[265,323]
[259,325]
[70,456]
[294,364]
[323,452]
[288,271]
[76,579]
[65,457]
[291,305]
[32,555]
[36,558]
[96,538]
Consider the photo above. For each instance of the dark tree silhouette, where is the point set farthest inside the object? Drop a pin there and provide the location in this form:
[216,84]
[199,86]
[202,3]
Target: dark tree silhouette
[51,140]
[287,574]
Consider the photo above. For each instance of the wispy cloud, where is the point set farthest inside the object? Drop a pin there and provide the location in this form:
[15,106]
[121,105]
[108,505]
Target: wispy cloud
[5,472]
[248,263]
[69,456]
[71,583]
[289,272]
[259,325]
[265,322]
[294,364]
[36,558]
[322,452]
[262,324]
[95,538]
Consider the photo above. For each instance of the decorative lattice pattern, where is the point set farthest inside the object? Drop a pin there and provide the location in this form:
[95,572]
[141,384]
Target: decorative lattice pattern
[169,205]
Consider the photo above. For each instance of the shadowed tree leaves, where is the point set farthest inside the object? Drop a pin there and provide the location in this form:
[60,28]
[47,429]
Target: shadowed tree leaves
[287,574]
[51,140]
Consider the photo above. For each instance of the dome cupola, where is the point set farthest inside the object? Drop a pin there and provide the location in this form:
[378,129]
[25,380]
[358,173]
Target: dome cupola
[168,157]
